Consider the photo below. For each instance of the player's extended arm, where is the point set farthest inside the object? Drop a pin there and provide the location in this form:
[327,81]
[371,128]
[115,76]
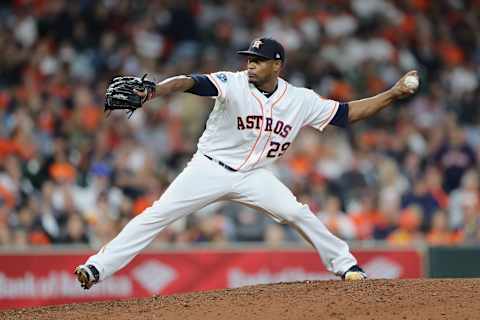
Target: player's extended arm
[173,85]
[196,84]
[169,86]
[364,108]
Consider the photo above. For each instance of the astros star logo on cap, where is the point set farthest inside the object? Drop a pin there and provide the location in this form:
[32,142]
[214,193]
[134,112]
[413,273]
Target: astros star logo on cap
[257,44]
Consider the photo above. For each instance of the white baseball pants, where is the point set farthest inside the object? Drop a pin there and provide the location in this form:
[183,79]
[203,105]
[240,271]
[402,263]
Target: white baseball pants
[203,182]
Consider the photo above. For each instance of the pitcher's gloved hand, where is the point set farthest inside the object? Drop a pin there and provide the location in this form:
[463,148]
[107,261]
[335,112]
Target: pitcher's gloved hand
[128,93]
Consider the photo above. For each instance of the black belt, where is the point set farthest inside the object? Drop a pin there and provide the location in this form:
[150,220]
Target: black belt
[226,166]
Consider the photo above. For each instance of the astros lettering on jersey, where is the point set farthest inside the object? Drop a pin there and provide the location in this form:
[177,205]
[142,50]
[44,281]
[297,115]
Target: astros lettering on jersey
[247,130]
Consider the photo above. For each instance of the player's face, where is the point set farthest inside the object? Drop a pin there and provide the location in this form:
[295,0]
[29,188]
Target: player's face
[262,70]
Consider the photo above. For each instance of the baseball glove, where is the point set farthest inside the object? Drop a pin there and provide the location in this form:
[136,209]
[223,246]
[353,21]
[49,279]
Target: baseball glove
[128,93]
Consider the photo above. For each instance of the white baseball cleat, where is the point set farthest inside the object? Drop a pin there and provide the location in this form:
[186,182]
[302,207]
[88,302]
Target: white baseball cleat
[355,273]
[87,275]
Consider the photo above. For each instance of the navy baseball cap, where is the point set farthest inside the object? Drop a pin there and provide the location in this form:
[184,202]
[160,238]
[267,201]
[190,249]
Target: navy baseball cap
[266,48]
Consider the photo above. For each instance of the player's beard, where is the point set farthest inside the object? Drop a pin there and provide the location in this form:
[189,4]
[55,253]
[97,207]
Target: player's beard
[257,81]
[260,82]
[253,80]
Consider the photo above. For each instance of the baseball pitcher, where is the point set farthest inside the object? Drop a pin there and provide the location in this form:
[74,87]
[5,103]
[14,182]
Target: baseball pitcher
[256,117]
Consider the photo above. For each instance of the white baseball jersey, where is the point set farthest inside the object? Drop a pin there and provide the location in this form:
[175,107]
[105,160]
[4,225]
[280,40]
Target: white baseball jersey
[247,130]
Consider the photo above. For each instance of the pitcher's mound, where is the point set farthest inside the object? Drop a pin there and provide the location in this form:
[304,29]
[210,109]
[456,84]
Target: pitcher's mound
[372,299]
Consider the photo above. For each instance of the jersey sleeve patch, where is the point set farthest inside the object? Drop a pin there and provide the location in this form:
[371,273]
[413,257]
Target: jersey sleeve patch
[222,77]
[223,81]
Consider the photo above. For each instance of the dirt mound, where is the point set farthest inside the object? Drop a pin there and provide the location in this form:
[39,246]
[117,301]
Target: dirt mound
[373,299]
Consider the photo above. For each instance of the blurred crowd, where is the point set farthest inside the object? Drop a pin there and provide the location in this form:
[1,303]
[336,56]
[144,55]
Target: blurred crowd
[71,175]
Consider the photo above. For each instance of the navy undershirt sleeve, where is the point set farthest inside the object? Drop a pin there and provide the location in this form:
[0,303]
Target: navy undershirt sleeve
[341,117]
[203,86]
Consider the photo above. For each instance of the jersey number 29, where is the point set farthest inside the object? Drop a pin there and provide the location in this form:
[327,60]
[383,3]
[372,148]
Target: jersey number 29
[275,147]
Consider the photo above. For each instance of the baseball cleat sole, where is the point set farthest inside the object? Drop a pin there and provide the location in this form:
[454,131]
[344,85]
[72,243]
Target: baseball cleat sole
[355,276]
[355,273]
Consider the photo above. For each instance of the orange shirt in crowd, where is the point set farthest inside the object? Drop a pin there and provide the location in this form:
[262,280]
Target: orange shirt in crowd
[62,171]
[441,197]
[142,203]
[38,238]
[342,91]
[91,117]
[366,222]
[450,53]
[4,99]
[7,147]
[400,237]
[408,230]
[301,164]
[7,197]
[442,238]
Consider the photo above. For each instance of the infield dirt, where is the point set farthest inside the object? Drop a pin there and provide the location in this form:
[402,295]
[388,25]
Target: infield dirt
[372,299]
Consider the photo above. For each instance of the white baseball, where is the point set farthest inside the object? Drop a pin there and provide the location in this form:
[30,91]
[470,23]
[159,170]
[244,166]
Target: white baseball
[411,82]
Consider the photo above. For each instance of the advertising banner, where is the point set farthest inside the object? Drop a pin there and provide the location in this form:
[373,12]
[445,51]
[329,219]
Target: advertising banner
[47,278]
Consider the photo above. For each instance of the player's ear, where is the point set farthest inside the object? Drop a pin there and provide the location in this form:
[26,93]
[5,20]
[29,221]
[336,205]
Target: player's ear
[277,65]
